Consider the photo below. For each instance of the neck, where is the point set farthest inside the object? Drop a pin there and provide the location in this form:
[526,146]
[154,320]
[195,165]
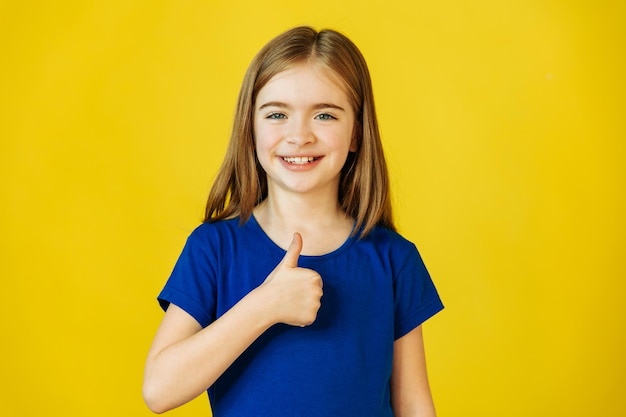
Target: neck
[301,210]
[321,222]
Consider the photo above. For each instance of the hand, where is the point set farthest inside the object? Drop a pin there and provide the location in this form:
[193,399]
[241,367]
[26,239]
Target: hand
[294,293]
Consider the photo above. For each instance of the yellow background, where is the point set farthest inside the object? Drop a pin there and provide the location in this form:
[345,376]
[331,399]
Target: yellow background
[504,127]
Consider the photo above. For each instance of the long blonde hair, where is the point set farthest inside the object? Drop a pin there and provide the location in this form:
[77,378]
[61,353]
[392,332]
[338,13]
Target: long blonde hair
[241,182]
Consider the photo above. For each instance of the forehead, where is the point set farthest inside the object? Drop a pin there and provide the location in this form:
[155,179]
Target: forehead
[307,80]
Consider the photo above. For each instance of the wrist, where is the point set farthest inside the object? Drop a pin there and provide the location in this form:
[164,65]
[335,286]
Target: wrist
[260,307]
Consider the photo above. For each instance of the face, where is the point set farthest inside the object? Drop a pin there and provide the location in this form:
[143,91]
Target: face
[303,130]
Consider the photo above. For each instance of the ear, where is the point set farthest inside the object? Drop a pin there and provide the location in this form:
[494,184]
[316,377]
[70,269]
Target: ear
[354,145]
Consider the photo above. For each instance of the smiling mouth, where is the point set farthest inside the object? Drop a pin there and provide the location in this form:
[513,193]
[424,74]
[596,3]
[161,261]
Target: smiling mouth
[300,160]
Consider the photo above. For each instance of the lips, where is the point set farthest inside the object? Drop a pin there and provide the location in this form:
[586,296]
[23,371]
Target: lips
[299,160]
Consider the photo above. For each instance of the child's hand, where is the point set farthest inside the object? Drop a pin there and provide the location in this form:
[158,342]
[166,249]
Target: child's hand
[294,292]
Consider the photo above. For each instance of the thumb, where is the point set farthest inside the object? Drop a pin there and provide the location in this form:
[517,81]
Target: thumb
[293,252]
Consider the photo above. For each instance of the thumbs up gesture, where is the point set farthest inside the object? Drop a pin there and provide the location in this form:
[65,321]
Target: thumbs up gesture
[294,293]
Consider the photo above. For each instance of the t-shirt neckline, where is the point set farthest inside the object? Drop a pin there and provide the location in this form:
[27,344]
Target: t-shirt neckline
[343,247]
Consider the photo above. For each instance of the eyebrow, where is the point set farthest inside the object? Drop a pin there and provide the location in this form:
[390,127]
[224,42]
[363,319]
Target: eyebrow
[287,106]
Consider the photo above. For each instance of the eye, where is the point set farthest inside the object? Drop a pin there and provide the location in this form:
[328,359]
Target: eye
[276,116]
[325,116]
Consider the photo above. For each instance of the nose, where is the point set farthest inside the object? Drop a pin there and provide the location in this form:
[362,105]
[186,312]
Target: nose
[300,132]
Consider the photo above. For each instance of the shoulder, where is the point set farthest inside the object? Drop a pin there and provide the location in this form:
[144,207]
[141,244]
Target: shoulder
[399,252]
[208,230]
[213,235]
[226,235]
[387,239]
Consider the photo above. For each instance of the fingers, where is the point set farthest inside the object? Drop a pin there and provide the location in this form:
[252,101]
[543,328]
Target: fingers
[293,252]
[295,293]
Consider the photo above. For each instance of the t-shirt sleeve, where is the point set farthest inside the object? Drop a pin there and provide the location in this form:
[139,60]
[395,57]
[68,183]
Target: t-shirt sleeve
[191,286]
[416,298]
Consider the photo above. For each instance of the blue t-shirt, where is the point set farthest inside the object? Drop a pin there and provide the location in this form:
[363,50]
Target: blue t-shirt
[376,290]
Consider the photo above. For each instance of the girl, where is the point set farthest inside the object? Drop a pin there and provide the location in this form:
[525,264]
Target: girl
[296,297]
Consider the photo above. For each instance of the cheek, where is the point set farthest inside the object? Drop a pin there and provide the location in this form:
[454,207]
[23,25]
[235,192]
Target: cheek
[258,136]
[262,148]
[349,138]
[261,144]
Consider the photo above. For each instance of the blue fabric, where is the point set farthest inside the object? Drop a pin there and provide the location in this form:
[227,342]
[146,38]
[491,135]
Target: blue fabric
[376,290]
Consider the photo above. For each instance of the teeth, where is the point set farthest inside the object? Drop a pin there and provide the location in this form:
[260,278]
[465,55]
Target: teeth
[299,159]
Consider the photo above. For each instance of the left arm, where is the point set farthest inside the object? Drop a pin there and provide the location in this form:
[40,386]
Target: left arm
[410,392]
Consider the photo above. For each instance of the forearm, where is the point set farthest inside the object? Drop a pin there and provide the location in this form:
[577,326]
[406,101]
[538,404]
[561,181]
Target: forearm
[425,409]
[410,391]
[180,372]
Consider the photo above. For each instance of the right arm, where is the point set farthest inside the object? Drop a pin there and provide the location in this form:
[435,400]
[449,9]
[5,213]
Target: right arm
[185,359]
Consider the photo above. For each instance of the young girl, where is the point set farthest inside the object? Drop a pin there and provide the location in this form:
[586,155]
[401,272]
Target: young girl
[296,297]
